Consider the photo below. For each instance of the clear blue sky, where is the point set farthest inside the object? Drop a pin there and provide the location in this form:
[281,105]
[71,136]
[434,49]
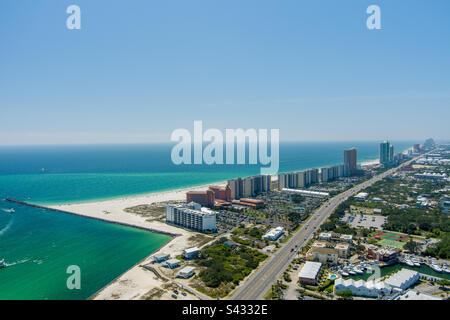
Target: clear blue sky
[139,69]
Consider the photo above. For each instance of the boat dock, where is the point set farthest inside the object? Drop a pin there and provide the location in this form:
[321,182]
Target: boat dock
[23,203]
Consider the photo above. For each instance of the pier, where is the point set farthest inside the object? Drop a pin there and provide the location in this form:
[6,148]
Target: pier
[23,203]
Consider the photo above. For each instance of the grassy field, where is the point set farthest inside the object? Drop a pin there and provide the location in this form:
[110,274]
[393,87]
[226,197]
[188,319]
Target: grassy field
[391,243]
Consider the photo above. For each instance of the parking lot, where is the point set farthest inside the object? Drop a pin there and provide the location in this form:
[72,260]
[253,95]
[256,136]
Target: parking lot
[364,221]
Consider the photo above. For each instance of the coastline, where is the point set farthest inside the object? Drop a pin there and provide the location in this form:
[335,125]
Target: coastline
[137,281]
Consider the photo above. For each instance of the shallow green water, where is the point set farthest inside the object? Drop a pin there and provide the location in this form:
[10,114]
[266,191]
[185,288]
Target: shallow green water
[39,245]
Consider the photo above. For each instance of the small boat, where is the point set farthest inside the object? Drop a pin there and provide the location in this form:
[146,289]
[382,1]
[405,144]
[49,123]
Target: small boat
[352,272]
[436,268]
[358,271]
[369,269]
[409,263]
[2,264]
[344,274]
[9,210]
[446,270]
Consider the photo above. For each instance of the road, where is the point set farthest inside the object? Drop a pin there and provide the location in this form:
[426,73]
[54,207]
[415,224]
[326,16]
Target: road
[257,286]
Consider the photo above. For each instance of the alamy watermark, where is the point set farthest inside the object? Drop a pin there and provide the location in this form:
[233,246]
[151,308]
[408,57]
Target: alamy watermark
[73,21]
[213,153]
[74,280]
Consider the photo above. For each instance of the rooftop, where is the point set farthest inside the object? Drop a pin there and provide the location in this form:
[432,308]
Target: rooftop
[399,278]
[310,270]
[415,295]
[191,250]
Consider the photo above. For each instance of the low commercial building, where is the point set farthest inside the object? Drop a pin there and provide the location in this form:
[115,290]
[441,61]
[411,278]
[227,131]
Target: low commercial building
[329,253]
[274,234]
[325,255]
[403,279]
[431,176]
[191,253]
[253,203]
[362,196]
[309,273]
[325,236]
[382,254]
[186,272]
[306,193]
[172,263]
[372,289]
[415,295]
[160,257]
[346,238]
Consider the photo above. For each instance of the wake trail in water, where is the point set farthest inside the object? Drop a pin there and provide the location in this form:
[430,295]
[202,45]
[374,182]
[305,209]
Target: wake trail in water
[17,262]
[7,227]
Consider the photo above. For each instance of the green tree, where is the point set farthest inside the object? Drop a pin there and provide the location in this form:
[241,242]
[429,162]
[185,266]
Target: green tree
[346,294]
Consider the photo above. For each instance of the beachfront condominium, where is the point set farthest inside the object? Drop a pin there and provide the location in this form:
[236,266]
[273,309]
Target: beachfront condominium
[221,193]
[191,216]
[250,186]
[204,198]
[386,153]
[299,179]
[350,159]
[333,172]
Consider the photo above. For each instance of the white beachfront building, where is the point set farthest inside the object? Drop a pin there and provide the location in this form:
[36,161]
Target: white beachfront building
[373,289]
[191,216]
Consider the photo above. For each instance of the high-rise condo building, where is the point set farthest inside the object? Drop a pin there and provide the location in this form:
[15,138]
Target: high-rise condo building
[191,216]
[250,186]
[350,159]
[333,172]
[221,193]
[299,179]
[204,198]
[386,153]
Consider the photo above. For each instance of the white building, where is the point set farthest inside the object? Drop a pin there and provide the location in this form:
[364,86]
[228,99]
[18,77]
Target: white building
[299,179]
[309,272]
[274,234]
[403,279]
[191,253]
[172,263]
[415,295]
[431,176]
[346,238]
[306,193]
[325,236]
[362,196]
[160,257]
[191,216]
[362,288]
[186,272]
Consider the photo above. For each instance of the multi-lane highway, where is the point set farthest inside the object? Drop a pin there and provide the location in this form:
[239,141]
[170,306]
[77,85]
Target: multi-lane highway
[262,280]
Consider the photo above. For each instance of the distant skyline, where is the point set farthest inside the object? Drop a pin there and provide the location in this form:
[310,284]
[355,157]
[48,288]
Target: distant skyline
[138,70]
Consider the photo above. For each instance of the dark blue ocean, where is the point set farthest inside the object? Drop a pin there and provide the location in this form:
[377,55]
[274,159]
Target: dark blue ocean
[64,174]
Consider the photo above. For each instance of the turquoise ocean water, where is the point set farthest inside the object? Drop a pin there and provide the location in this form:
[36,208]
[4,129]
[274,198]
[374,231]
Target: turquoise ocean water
[39,245]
